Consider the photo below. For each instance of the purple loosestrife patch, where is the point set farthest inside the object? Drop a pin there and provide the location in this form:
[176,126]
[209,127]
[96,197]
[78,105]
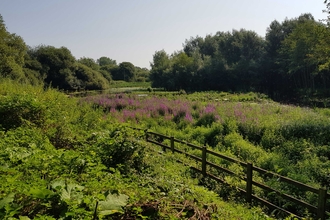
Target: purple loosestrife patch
[209,109]
[188,117]
[128,107]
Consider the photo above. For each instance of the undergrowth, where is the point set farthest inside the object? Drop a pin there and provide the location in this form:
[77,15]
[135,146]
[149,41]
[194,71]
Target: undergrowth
[63,159]
[288,140]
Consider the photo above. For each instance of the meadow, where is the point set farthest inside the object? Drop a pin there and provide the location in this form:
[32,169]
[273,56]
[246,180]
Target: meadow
[64,158]
[289,140]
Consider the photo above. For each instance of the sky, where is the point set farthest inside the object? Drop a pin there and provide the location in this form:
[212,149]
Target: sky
[133,30]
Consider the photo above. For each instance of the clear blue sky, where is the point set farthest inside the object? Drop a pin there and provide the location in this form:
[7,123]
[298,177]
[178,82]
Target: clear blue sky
[133,30]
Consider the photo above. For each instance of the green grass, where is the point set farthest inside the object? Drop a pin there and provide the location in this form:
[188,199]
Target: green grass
[117,87]
[122,84]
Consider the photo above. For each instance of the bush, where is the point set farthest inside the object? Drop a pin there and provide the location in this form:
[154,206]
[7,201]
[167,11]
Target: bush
[16,110]
[241,148]
[271,138]
[315,129]
[120,148]
[229,126]
[294,150]
[214,135]
[89,79]
[179,116]
[206,120]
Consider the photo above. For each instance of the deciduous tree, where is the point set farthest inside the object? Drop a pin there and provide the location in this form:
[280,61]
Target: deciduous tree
[12,51]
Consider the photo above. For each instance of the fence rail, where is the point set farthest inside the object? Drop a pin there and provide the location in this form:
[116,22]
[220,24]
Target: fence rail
[320,211]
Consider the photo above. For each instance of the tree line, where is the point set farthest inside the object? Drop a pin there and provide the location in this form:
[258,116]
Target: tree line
[291,62]
[57,67]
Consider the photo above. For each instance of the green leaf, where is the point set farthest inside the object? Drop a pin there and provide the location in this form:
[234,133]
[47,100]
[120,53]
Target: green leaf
[40,193]
[69,191]
[8,199]
[58,184]
[113,204]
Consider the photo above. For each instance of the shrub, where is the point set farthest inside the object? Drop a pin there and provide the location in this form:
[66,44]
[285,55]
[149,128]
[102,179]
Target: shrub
[214,135]
[179,116]
[198,134]
[229,126]
[16,110]
[275,162]
[294,150]
[252,132]
[271,138]
[315,129]
[206,120]
[241,148]
[120,148]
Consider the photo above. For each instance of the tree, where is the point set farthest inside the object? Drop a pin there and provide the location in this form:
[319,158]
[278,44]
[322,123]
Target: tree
[306,53]
[294,55]
[142,74]
[58,66]
[193,44]
[275,80]
[242,52]
[32,69]
[327,11]
[89,79]
[12,53]
[103,61]
[160,69]
[90,63]
[125,71]
[207,46]
[183,72]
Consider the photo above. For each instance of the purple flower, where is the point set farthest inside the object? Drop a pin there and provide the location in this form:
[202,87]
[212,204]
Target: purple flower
[209,109]
[188,117]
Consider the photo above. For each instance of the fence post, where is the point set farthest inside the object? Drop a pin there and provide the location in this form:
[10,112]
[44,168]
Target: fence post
[146,134]
[204,161]
[322,203]
[172,144]
[249,173]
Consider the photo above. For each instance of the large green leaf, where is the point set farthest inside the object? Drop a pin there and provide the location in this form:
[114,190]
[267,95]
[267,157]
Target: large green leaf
[40,193]
[113,204]
[24,218]
[69,191]
[72,191]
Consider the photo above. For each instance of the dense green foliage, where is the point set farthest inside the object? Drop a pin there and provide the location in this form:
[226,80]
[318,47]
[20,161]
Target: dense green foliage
[65,158]
[291,63]
[62,159]
[12,49]
[56,67]
[284,139]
